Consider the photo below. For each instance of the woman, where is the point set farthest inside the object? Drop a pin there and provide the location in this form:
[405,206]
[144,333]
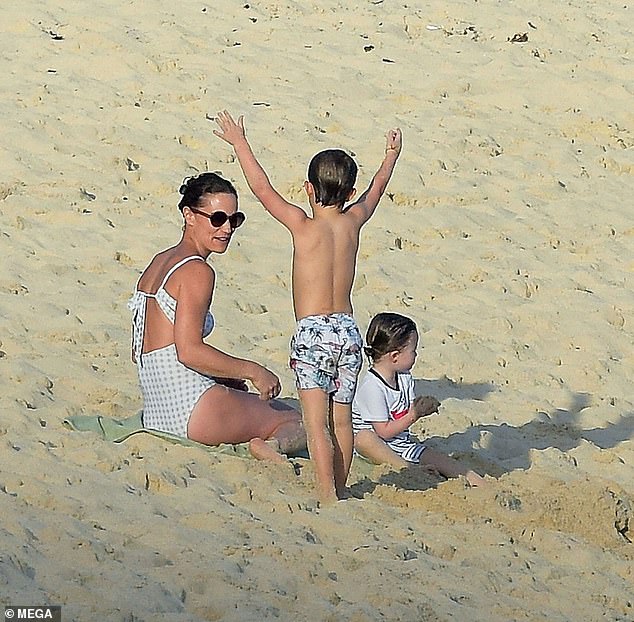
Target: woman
[183,379]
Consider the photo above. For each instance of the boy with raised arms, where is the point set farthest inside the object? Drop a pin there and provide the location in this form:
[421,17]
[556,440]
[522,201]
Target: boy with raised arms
[326,349]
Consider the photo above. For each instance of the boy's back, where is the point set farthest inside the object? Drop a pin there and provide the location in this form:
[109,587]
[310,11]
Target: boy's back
[324,258]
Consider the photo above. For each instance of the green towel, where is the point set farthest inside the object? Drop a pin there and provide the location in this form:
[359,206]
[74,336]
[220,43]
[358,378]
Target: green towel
[119,430]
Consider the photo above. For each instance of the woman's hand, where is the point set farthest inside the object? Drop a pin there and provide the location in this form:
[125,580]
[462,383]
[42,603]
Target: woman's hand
[266,383]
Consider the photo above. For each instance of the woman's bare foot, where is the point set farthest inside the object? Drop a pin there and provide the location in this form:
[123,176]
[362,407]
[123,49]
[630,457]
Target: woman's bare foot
[266,450]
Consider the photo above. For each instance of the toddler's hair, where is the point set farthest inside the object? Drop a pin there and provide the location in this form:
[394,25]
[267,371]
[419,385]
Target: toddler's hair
[206,183]
[388,332]
[333,174]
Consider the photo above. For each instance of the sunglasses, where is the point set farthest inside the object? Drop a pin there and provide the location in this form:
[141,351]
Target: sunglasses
[219,218]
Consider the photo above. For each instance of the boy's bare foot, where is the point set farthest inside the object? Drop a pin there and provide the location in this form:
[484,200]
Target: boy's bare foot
[266,450]
[328,499]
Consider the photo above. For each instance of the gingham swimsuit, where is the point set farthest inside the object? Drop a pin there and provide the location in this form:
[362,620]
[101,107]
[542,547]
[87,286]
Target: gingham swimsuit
[170,390]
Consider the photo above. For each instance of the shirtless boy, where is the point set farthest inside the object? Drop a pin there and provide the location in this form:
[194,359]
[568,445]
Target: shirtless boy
[326,350]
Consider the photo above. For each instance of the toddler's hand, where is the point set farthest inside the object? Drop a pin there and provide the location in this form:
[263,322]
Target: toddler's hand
[394,141]
[230,131]
[425,405]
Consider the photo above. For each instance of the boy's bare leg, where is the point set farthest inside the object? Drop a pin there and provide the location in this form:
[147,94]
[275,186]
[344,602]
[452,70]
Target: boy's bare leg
[342,439]
[315,405]
[372,447]
[449,467]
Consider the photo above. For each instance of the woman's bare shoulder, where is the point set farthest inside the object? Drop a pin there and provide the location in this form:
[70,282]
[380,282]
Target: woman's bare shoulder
[195,267]
[161,264]
[195,274]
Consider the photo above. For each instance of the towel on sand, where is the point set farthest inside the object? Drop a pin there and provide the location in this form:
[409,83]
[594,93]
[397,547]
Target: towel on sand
[118,430]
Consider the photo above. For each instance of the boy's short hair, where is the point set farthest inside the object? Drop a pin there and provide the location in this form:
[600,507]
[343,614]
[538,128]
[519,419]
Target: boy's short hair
[333,174]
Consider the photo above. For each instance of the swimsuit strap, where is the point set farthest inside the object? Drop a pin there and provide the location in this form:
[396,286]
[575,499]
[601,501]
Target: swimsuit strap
[138,304]
[175,267]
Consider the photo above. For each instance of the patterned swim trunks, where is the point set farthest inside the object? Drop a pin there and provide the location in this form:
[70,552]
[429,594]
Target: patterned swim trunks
[326,354]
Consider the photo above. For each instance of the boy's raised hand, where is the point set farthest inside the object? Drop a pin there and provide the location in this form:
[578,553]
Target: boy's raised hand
[394,141]
[230,131]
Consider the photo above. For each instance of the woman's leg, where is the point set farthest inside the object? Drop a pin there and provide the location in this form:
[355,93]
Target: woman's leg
[224,415]
[290,434]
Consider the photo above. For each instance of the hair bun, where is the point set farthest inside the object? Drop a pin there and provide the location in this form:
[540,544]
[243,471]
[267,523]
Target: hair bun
[185,186]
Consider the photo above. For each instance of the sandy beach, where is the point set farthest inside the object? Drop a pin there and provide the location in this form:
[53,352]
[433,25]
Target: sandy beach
[506,234]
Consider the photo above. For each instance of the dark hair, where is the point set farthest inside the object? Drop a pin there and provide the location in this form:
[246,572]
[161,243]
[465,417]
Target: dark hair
[387,332]
[332,173]
[193,188]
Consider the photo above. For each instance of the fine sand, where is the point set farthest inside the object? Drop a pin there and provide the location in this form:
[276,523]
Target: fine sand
[506,234]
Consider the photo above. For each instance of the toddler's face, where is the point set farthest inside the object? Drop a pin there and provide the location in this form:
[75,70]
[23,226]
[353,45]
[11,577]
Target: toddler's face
[406,357]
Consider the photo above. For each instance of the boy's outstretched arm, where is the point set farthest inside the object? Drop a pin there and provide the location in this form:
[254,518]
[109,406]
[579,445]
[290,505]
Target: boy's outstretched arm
[274,203]
[365,205]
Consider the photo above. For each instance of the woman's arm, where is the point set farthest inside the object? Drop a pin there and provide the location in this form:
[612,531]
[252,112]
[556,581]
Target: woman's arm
[194,288]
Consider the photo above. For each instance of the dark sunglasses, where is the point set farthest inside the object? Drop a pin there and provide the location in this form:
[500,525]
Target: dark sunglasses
[219,218]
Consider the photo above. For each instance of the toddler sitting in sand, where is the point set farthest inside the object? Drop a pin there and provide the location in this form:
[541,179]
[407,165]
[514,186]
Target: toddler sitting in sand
[384,407]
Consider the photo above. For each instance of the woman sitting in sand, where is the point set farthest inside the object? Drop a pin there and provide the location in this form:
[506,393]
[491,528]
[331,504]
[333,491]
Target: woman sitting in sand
[384,406]
[186,383]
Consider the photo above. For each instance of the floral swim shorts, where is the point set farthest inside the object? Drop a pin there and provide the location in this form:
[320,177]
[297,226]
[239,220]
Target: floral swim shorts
[326,354]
